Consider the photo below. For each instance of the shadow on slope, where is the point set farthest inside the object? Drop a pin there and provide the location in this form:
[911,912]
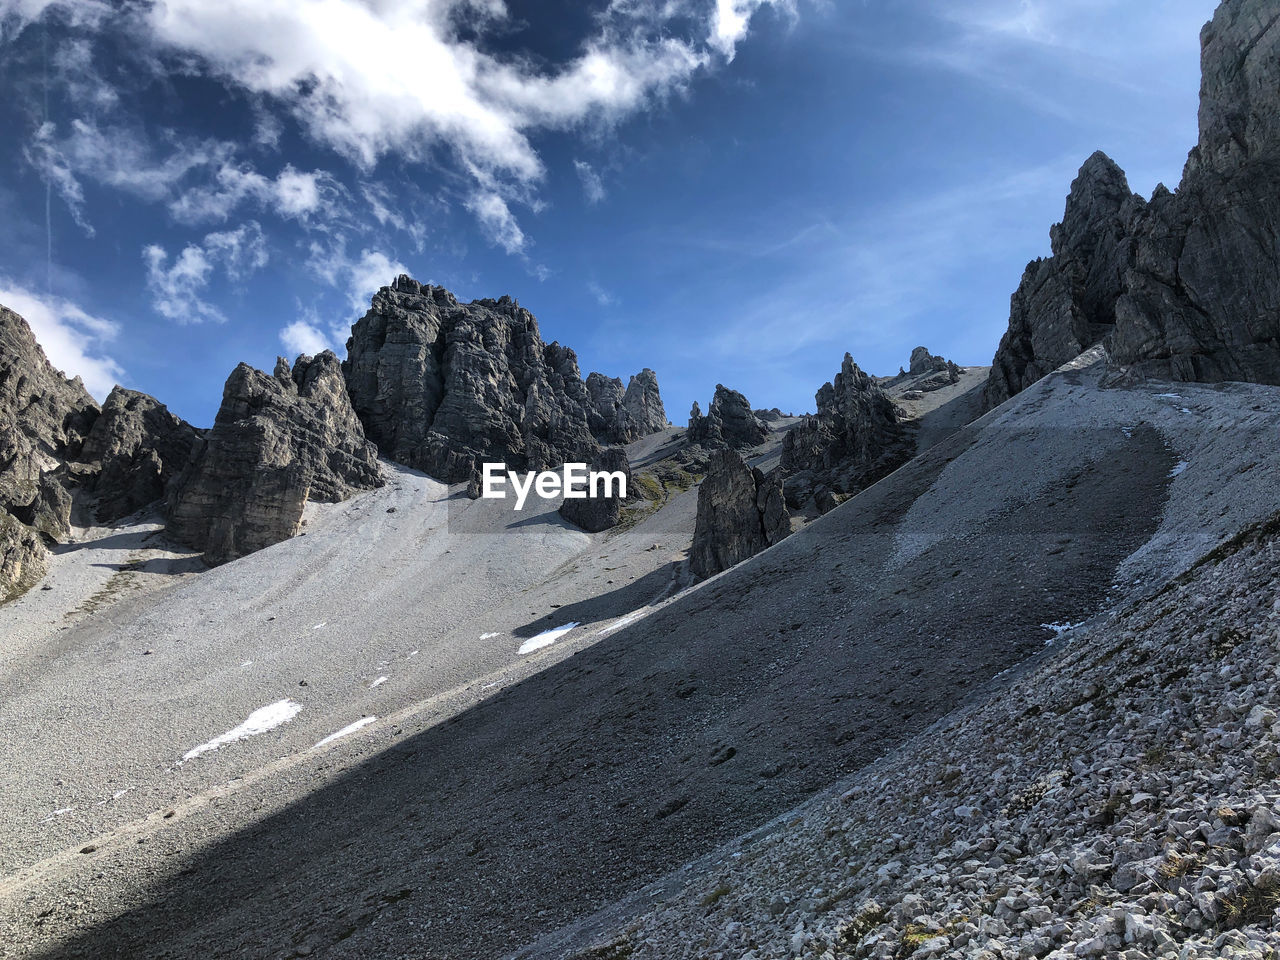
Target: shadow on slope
[611,605]
[655,745]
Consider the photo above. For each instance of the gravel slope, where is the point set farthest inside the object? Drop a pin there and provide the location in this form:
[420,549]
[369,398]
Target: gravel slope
[469,821]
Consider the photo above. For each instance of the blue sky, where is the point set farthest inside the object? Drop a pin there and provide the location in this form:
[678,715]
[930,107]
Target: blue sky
[732,191]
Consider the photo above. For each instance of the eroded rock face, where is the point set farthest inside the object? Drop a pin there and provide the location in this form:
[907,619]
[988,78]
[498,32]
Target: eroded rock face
[1185,287]
[729,422]
[1203,299]
[855,438]
[134,449]
[1067,302]
[740,512]
[277,442]
[443,386]
[44,418]
[594,514]
[618,415]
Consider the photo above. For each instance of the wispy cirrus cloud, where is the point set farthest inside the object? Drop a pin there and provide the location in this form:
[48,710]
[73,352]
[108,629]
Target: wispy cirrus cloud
[177,285]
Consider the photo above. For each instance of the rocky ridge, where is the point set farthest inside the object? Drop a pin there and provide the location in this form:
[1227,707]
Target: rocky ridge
[135,447]
[44,419]
[443,386]
[1183,287]
[277,441]
[729,422]
[740,512]
[1118,801]
[856,437]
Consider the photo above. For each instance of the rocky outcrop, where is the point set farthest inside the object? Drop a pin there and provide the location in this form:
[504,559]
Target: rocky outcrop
[855,438]
[740,512]
[729,422]
[136,446]
[443,386]
[1184,287]
[616,415]
[44,418]
[1203,299]
[1067,302]
[923,362]
[277,442]
[594,514]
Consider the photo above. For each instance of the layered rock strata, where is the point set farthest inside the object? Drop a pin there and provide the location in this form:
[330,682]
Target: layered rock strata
[277,441]
[740,512]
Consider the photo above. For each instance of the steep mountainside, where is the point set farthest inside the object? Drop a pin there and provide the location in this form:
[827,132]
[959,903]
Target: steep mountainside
[441,386]
[44,418]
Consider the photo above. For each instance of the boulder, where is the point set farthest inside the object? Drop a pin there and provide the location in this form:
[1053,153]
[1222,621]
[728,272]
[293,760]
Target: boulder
[444,386]
[740,512]
[594,514]
[277,442]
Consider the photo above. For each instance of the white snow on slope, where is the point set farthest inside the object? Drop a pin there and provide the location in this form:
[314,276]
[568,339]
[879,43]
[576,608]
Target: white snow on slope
[487,636]
[345,731]
[546,638]
[377,683]
[1177,470]
[260,721]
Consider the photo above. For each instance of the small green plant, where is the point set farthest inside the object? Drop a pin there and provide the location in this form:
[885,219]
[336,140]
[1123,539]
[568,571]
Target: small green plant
[1254,904]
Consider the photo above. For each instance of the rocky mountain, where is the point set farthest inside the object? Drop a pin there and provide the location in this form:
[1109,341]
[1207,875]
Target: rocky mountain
[1186,286]
[729,422]
[621,416]
[44,419]
[442,386]
[135,447]
[277,442]
[740,513]
[855,438]
[1066,303]
[1203,299]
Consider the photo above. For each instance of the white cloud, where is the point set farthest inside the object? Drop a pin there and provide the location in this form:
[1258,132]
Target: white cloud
[72,339]
[603,296]
[177,287]
[357,277]
[293,194]
[16,15]
[303,337]
[400,76]
[592,185]
[731,19]
[497,220]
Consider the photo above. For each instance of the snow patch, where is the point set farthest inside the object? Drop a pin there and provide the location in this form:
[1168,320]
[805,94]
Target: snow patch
[1178,469]
[321,624]
[260,721]
[1169,396]
[487,636]
[377,683]
[349,729]
[546,638]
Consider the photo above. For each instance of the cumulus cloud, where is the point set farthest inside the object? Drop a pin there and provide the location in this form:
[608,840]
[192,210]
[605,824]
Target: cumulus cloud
[357,277]
[303,336]
[72,339]
[409,77]
[177,285]
[592,184]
